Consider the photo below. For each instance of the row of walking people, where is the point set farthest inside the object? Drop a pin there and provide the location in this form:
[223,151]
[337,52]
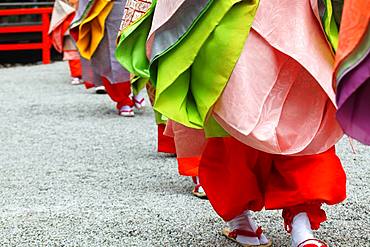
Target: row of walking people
[251,96]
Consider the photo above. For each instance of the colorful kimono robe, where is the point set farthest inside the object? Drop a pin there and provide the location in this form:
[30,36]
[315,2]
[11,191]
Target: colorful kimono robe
[267,105]
[189,143]
[63,13]
[348,34]
[134,11]
[98,25]
[352,70]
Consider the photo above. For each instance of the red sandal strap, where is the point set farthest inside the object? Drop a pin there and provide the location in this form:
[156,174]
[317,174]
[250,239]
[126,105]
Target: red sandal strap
[126,110]
[245,233]
[322,244]
[139,102]
[196,188]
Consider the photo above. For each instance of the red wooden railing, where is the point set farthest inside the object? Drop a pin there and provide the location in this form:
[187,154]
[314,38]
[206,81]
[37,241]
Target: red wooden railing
[43,28]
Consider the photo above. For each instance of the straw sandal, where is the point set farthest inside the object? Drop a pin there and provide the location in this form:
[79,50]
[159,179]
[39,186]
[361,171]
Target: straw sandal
[197,193]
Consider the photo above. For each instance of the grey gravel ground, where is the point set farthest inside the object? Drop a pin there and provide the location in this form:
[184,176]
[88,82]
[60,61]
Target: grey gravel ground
[73,173]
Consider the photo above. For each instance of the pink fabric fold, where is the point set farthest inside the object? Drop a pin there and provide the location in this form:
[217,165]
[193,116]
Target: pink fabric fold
[61,17]
[280,98]
[189,142]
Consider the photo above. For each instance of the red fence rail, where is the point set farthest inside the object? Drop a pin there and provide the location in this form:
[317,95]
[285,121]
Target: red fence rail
[43,28]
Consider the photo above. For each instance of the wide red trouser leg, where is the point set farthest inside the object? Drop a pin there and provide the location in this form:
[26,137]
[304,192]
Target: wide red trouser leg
[89,85]
[119,92]
[237,177]
[230,175]
[296,180]
[316,179]
[75,68]
[166,144]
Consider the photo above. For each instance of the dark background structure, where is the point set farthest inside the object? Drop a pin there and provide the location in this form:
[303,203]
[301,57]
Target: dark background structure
[26,56]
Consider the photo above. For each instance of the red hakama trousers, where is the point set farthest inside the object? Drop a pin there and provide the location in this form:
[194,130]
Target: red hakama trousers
[75,68]
[119,92]
[236,178]
[166,144]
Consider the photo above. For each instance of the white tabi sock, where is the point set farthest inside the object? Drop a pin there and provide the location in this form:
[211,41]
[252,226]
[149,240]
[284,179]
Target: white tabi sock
[126,111]
[246,223]
[140,95]
[139,99]
[301,229]
[200,189]
[76,81]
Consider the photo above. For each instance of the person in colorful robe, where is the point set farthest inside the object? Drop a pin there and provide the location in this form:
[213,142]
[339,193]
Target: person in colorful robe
[188,143]
[63,13]
[90,78]
[352,69]
[98,25]
[241,70]
[346,25]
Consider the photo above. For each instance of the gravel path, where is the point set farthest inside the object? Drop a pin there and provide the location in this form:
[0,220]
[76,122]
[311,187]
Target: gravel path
[73,173]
